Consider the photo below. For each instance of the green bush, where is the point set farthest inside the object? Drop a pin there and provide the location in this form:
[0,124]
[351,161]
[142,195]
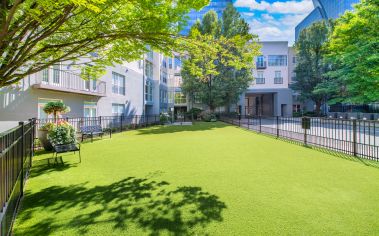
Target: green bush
[56,108]
[208,116]
[62,133]
[164,118]
[195,112]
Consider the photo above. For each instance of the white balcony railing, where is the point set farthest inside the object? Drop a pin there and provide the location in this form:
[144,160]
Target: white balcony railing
[260,81]
[54,79]
[278,80]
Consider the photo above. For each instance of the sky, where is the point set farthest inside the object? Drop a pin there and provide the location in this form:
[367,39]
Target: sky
[274,20]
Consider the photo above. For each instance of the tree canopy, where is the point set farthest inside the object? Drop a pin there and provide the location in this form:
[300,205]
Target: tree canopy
[311,68]
[218,67]
[37,34]
[353,51]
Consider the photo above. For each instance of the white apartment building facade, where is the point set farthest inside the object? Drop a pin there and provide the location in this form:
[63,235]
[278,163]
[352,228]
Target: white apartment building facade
[146,87]
[269,94]
[135,88]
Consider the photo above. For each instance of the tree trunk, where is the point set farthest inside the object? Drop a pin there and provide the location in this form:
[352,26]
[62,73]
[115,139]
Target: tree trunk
[318,108]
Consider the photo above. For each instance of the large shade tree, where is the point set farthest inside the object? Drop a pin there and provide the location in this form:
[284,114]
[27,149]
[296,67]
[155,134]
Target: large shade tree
[353,50]
[311,67]
[35,34]
[218,67]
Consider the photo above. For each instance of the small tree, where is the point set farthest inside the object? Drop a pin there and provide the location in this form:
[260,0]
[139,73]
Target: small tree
[56,108]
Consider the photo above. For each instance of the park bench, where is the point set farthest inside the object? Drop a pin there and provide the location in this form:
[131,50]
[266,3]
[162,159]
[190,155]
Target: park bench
[93,130]
[65,148]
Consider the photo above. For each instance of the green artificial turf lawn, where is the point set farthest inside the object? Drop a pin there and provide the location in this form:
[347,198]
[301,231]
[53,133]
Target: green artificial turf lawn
[209,178]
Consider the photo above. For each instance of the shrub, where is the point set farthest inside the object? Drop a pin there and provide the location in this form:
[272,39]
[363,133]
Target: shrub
[164,118]
[195,112]
[208,116]
[62,133]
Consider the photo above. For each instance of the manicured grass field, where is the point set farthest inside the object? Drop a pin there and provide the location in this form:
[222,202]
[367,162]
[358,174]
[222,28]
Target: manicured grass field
[210,178]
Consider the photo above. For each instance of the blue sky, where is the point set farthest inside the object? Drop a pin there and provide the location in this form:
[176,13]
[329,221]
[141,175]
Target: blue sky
[274,20]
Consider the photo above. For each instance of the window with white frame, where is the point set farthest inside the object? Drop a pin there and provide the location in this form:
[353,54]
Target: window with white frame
[90,109]
[278,77]
[277,60]
[149,70]
[164,77]
[149,91]
[260,78]
[118,109]
[118,83]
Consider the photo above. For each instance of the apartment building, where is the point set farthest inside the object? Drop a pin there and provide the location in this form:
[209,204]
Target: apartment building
[135,88]
[269,94]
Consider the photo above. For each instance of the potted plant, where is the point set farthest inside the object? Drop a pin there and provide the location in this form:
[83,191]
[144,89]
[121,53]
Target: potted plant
[54,108]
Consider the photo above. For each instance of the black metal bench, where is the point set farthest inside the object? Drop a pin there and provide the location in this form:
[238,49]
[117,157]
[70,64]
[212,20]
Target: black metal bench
[64,148]
[91,131]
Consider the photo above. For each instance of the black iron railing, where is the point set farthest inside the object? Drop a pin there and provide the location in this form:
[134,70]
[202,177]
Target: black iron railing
[16,151]
[358,138]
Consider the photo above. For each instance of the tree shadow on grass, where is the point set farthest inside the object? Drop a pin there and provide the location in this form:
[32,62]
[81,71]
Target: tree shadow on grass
[199,126]
[155,207]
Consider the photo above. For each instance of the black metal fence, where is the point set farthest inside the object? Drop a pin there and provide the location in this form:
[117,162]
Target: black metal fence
[117,123]
[359,138]
[16,151]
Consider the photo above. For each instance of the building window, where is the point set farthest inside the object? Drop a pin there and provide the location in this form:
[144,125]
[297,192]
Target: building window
[178,62]
[90,109]
[296,108]
[164,77]
[278,77]
[117,109]
[149,91]
[56,74]
[294,60]
[277,60]
[180,98]
[178,81]
[163,96]
[260,79]
[164,62]
[261,62]
[118,83]
[150,55]
[170,63]
[45,76]
[149,70]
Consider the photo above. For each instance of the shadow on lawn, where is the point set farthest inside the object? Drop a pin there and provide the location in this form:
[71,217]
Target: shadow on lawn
[152,206]
[198,126]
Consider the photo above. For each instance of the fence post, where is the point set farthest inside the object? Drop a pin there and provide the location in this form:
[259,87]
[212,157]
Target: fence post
[355,137]
[100,120]
[277,127]
[260,124]
[22,157]
[147,120]
[239,120]
[248,122]
[121,123]
[305,137]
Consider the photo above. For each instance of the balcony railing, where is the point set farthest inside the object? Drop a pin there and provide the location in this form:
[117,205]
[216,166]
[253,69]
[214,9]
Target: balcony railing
[59,80]
[261,64]
[278,80]
[260,81]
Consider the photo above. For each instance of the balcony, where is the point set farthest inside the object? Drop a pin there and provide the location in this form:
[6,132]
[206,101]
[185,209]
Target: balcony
[64,81]
[278,80]
[260,80]
[261,64]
